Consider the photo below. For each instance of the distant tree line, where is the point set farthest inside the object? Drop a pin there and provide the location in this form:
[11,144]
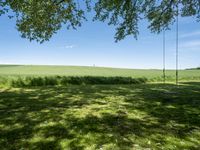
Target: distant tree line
[198,68]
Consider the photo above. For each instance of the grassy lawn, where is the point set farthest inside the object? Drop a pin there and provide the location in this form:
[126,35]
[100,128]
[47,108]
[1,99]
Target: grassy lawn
[114,117]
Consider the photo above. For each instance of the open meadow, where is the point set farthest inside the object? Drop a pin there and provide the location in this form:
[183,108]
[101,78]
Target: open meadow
[99,100]
[152,75]
[121,114]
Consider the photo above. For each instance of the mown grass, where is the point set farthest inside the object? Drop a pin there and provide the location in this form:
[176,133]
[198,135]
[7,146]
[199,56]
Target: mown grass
[146,116]
[59,107]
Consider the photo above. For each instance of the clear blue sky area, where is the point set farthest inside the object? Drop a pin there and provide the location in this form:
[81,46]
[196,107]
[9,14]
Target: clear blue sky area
[93,43]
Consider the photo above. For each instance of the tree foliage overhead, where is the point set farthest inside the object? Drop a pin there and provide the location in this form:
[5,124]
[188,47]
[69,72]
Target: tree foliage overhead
[39,20]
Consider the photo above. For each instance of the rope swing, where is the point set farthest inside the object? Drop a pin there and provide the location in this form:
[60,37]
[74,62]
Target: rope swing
[164,75]
[177,36]
[177,51]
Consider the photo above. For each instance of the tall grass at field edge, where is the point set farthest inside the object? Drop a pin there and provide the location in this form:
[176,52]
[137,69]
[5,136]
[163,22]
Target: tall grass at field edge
[66,80]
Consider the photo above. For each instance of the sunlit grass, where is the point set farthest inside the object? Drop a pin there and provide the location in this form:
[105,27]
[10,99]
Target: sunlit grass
[108,117]
[13,71]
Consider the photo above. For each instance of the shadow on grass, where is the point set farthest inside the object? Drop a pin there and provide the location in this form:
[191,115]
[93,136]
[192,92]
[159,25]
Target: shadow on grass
[101,117]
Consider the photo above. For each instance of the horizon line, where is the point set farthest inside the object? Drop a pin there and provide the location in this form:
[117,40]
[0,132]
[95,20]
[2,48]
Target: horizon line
[64,65]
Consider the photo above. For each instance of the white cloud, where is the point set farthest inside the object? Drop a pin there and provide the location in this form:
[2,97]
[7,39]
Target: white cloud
[191,45]
[195,33]
[69,46]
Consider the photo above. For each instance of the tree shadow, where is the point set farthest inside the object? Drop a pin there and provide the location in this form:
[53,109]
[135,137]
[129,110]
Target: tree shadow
[101,116]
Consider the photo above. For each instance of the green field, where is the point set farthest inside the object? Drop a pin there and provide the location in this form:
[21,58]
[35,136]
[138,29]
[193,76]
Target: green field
[151,74]
[149,116]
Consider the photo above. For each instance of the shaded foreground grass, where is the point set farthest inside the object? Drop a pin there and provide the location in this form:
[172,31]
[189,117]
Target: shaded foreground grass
[115,117]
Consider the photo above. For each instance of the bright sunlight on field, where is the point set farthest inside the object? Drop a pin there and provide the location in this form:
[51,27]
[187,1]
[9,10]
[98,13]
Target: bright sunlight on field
[151,74]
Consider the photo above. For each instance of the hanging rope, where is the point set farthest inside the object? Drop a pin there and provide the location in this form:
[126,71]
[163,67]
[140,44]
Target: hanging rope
[164,57]
[177,36]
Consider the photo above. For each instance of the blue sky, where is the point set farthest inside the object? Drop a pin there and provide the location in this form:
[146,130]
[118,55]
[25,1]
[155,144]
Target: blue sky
[93,43]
